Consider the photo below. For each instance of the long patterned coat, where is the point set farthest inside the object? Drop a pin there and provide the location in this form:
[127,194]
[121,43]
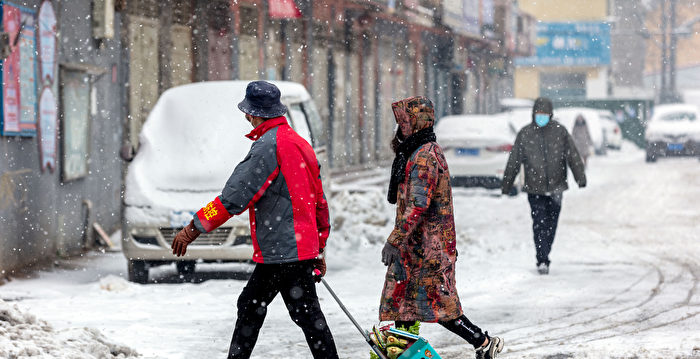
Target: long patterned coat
[421,286]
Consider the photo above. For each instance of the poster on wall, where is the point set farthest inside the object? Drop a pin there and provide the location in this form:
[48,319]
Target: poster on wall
[47,42]
[19,114]
[48,125]
[75,120]
[27,75]
[10,74]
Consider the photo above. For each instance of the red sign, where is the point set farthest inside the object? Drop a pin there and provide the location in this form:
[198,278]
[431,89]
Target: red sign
[283,9]
[10,74]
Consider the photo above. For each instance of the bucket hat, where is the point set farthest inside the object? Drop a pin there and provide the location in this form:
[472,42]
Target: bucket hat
[262,99]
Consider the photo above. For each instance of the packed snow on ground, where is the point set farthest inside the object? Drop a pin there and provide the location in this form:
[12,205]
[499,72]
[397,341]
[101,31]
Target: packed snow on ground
[623,282]
[22,335]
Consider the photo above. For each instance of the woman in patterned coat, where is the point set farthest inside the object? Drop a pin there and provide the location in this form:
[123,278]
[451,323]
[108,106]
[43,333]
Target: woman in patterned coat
[421,250]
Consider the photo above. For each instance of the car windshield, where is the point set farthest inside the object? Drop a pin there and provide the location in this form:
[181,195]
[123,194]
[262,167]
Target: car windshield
[679,116]
[315,122]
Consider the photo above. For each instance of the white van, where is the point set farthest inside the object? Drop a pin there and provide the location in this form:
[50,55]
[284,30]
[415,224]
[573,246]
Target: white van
[192,140]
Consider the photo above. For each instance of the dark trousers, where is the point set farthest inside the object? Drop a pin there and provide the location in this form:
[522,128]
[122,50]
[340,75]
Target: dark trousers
[295,283]
[545,216]
[460,326]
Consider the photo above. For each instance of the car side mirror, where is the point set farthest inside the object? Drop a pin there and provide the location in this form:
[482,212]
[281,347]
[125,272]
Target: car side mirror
[127,152]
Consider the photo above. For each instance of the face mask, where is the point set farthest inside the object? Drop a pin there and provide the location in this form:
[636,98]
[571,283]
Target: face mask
[541,119]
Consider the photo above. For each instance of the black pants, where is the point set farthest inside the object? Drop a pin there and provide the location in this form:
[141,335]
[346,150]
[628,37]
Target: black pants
[295,283]
[460,326]
[545,216]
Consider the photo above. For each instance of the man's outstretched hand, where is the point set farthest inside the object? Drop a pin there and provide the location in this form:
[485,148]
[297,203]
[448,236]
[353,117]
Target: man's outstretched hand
[186,236]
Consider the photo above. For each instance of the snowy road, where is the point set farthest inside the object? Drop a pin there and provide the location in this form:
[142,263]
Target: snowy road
[623,283]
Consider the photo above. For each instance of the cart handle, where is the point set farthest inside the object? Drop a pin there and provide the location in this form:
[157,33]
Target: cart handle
[362,331]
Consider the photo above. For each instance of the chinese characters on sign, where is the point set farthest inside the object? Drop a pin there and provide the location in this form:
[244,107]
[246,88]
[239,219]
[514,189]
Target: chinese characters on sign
[47,41]
[47,100]
[570,44]
[27,76]
[10,74]
[19,105]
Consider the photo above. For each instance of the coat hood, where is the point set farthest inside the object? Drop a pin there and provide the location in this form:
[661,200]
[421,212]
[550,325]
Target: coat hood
[417,111]
[542,105]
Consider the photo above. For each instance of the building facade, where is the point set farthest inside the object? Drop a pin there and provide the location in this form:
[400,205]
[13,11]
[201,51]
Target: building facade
[354,56]
[572,56]
[682,55]
[59,170]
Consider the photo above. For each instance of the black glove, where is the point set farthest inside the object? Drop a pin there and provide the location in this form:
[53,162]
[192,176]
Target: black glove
[390,254]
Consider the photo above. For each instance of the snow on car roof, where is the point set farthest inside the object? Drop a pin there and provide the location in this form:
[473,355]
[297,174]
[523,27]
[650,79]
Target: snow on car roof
[512,102]
[663,110]
[471,126]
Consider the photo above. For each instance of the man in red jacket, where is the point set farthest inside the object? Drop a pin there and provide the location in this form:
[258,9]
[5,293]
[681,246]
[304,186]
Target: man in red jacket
[279,182]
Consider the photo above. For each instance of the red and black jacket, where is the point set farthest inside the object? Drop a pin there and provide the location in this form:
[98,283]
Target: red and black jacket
[279,181]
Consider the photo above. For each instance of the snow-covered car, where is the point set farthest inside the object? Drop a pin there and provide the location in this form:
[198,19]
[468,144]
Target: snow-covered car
[567,117]
[511,103]
[612,134]
[188,147]
[476,148]
[674,130]
[519,118]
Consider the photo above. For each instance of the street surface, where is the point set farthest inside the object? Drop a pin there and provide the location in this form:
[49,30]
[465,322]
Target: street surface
[623,282]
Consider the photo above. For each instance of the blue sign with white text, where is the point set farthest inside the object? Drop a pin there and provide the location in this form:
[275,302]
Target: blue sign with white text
[570,44]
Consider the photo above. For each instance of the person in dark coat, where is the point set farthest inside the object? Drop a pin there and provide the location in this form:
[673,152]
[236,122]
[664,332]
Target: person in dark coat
[582,138]
[421,250]
[279,182]
[545,149]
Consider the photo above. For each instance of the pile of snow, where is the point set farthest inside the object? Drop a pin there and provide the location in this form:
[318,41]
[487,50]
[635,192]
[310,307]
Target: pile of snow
[112,283]
[360,218]
[366,218]
[23,335]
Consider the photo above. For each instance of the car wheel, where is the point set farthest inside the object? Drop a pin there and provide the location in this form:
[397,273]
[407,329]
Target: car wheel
[138,273]
[651,156]
[185,267]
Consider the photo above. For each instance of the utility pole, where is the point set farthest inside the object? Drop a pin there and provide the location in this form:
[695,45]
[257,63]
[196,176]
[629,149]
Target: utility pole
[672,94]
[664,52]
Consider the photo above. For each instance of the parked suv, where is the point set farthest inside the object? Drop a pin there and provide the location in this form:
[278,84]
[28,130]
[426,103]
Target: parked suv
[188,148]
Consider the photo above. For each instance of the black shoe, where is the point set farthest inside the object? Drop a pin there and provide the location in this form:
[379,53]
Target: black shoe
[490,351]
[543,268]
